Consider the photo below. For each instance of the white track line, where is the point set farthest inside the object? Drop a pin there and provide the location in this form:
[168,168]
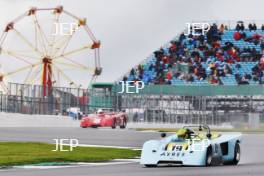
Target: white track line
[43,167]
[105,146]
[113,162]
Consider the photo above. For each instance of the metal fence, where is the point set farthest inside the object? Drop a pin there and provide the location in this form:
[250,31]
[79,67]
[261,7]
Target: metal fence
[187,104]
[29,99]
[166,106]
[192,109]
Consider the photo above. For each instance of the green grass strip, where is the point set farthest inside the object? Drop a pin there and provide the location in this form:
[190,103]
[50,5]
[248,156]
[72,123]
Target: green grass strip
[21,153]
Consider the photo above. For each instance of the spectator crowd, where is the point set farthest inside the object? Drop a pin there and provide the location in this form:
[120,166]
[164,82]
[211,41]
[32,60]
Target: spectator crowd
[204,58]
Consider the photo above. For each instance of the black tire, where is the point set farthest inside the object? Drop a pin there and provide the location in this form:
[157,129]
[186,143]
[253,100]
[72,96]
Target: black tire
[84,126]
[150,165]
[114,124]
[124,125]
[209,156]
[94,126]
[237,154]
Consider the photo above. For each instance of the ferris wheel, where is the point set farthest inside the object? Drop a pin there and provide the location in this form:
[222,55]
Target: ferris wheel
[48,46]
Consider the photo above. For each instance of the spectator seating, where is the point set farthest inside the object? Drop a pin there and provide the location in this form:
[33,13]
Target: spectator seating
[184,61]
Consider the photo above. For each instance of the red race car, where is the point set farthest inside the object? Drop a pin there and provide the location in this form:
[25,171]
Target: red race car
[105,119]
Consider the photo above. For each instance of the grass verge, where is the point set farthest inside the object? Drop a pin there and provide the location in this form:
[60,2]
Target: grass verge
[21,153]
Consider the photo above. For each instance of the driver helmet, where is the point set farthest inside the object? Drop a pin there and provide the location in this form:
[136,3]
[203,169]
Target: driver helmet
[184,133]
[100,111]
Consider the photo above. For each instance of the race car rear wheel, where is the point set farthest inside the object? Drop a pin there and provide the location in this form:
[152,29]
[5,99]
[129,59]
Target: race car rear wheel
[123,125]
[237,154]
[209,156]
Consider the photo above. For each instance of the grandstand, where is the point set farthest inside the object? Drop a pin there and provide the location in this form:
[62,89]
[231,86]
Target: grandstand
[224,56]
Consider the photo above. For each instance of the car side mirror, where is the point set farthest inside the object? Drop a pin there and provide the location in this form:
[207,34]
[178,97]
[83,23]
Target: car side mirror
[209,135]
[163,135]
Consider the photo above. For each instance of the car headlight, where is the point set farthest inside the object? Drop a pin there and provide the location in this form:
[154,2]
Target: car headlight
[97,120]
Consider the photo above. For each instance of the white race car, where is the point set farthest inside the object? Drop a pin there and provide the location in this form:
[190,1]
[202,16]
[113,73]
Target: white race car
[188,147]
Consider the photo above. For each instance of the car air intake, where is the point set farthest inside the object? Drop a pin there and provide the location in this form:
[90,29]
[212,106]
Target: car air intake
[224,148]
[170,162]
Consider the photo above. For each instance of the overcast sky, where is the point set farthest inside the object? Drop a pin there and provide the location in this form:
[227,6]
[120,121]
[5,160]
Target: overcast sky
[130,30]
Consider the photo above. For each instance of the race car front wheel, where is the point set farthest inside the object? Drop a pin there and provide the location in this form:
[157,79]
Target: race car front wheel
[209,156]
[114,124]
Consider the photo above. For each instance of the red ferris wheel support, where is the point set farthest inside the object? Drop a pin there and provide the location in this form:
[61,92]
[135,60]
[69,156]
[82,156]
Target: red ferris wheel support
[47,76]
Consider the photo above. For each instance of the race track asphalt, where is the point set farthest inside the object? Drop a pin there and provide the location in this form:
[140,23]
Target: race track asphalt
[251,164]
[100,136]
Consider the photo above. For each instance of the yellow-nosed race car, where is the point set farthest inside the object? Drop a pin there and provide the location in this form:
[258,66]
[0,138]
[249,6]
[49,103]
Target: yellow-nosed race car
[188,147]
